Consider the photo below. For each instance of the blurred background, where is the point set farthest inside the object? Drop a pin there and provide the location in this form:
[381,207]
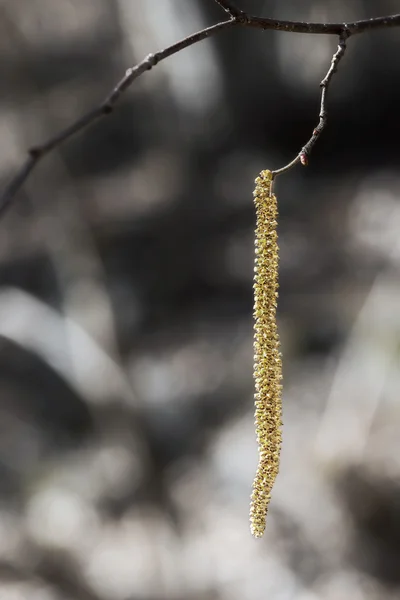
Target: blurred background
[127,445]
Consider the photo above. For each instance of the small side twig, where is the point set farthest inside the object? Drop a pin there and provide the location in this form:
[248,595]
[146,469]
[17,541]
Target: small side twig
[304,153]
[231,9]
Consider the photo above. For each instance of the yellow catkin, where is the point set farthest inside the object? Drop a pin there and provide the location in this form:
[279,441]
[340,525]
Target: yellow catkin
[267,357]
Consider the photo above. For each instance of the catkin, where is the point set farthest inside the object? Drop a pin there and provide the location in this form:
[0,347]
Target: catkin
[267,357]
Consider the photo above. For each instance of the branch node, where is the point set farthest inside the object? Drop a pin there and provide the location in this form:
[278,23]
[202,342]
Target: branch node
[151,60]
[241,18]
[344,35]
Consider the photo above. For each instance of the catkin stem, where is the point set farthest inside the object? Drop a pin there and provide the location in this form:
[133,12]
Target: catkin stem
[267,357]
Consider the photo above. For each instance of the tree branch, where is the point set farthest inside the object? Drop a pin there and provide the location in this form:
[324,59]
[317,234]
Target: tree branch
[237,18]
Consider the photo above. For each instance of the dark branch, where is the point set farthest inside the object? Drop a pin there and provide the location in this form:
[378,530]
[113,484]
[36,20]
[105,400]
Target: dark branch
[237,18]
[107,106]
[324,28]
[304,153]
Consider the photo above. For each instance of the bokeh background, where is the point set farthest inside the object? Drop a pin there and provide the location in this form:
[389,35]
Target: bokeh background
[127,446]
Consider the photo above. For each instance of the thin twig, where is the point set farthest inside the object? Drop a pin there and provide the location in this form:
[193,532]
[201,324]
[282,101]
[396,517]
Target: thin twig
[231,9]
[304,153]
[238,18]
[36,153]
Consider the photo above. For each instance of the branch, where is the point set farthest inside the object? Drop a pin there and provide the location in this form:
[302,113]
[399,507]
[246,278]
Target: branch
[304,153]
[324,28]
[237,18]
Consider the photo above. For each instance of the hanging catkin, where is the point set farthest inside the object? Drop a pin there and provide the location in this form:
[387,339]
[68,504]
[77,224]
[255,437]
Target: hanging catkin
[267,357]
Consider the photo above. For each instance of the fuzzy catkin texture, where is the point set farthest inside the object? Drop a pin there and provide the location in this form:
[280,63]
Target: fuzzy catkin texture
[267,357]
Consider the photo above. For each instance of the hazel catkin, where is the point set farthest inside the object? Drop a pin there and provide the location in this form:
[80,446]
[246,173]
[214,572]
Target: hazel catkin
[267,357]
